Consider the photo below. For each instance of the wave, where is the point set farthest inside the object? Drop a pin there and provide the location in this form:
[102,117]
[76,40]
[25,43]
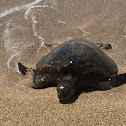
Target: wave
[19,8]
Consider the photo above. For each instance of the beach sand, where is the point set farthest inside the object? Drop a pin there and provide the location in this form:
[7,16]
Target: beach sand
[25,26]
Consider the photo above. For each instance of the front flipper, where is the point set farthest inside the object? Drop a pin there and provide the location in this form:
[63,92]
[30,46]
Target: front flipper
[118,80]
[66,88]
[105,85]
[113,81]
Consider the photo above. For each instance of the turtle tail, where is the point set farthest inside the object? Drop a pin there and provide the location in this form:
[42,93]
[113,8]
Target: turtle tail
[118,80]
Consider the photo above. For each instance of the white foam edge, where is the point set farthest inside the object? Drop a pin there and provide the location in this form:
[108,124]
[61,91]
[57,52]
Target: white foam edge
[41,45]
[34,22]
[19,8]
[27,12]
[62,22]
[11,58]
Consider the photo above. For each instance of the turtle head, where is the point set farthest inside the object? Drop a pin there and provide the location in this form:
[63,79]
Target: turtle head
[65,90]
[39,79]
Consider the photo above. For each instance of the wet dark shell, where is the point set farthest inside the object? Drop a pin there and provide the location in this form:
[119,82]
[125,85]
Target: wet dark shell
[81,55]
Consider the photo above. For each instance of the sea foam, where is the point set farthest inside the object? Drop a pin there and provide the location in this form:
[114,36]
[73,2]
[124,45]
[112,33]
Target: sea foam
[11,58]
[19,8]
[28,11]
[12,47]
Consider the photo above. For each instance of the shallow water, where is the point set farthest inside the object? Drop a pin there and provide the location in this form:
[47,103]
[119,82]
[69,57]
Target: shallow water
[27,26]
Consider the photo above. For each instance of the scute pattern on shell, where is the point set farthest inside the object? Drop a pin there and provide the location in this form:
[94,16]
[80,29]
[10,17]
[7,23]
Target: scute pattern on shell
[82,54]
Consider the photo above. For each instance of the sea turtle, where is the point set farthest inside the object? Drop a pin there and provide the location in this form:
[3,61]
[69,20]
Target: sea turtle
[75,64]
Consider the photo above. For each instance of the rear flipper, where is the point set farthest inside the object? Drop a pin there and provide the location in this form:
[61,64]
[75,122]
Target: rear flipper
[113,81]
[105,85]
[22,68]
[106,46]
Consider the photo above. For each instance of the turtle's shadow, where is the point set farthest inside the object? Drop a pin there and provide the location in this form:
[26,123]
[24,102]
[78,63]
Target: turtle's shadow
[77,93]
[84,90]
[74,97]
[46,86]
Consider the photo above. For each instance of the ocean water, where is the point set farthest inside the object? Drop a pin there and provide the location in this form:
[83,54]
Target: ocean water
[28,27]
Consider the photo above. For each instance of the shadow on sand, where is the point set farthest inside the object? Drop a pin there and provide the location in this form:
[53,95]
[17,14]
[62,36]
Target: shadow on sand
[74,97]
[77,93]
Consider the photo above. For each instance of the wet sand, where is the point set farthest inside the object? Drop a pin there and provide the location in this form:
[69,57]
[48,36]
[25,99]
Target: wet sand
[25,27]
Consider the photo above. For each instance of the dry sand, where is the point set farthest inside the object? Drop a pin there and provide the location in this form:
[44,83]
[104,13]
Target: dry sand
[23,29]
